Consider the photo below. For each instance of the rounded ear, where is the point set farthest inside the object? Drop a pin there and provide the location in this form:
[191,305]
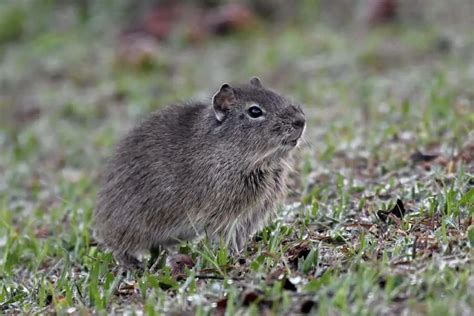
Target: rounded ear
[256,82]
[222,101]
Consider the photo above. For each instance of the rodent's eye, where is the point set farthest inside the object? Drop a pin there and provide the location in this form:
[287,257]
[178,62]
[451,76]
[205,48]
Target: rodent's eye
[254,111]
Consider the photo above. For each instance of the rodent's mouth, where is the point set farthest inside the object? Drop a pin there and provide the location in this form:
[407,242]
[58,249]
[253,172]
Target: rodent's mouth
[291,142]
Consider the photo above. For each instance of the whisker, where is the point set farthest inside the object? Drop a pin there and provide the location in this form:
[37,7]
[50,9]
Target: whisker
[289,166]
[305,141]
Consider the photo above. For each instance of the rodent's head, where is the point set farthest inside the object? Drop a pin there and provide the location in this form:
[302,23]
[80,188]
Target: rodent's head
[261,121]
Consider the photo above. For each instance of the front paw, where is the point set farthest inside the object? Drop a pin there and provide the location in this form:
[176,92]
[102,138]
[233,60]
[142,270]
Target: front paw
[238,245]
[129,261]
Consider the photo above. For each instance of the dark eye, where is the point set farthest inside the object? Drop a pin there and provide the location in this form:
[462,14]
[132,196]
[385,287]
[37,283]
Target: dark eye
[254,111]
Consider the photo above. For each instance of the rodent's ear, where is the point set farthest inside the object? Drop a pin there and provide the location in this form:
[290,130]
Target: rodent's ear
[256,82]
[223,101]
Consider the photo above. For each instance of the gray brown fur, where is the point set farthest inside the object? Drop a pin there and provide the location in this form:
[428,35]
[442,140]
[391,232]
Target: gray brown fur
[198,169]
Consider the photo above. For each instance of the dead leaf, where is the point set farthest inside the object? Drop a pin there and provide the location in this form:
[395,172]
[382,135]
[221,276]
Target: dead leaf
[221,306]
[228,18]
[127,288]
[466,154]
[42,232]
[366,225]
[178,264]
[300,250]
[160,21]
[381,11]
[198,22]
[250,297]
[277,274]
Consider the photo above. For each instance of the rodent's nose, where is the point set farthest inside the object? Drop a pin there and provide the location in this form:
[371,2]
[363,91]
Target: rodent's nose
[299,122]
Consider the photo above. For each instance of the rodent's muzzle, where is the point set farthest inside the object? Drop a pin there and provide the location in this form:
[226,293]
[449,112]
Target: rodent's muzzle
[298,126]
[299,122]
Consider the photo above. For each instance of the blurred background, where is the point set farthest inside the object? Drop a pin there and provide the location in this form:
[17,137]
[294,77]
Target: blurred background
[76,75]
[387,86]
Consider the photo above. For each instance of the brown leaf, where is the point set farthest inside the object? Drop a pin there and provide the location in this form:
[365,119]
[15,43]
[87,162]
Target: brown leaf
[359,225]
[179,263]
[300,250]
[228,18]
[221,306]
[42,232]
[250,297]
[160,21]
[381,11]
[277,274]
[466,154]
[196,21]
[127,288]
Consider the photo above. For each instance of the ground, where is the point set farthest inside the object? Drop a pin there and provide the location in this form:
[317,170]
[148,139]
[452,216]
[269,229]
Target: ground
[379,219]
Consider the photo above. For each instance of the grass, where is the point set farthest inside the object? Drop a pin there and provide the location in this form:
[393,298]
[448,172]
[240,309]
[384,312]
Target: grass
[66,98]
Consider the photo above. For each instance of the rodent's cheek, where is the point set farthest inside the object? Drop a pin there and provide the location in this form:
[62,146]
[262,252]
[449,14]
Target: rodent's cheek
[276,141]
